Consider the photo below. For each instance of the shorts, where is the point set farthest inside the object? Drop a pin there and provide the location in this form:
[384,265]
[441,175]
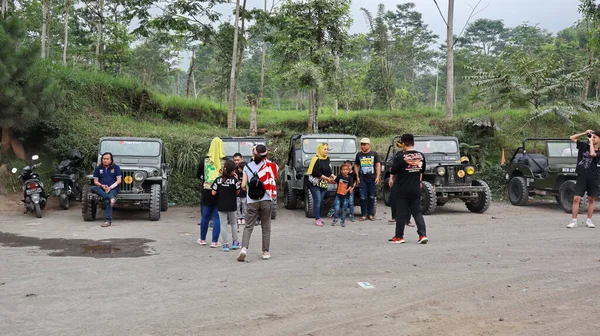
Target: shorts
[587,184]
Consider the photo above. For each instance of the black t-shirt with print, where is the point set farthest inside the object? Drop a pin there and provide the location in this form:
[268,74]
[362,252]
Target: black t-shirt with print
[587,165]
[344,183]
[407,169]
[366,163]
[240,174]
[226,193]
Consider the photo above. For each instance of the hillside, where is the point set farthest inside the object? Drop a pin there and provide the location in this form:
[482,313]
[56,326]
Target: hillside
[97,105]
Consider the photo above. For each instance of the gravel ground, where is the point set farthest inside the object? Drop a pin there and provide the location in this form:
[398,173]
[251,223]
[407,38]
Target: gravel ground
[511,271]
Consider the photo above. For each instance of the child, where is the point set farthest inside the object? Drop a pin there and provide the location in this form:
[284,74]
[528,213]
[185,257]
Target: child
[346,185]
[226,188]
[241,197]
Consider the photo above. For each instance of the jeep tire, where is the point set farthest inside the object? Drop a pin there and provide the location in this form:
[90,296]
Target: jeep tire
[518,193]
[386,192]
[155,196]
[290,196]
[309,204]
[88,206]
[428,198]
[567,192]
[164,201]
[484,199]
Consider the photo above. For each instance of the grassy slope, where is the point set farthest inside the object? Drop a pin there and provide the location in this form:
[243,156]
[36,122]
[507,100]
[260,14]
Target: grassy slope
[99,105]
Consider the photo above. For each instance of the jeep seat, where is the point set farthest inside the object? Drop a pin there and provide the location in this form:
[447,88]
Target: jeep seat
[537,162]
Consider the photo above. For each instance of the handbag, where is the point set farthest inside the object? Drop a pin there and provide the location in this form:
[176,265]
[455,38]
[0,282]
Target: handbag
[318,182]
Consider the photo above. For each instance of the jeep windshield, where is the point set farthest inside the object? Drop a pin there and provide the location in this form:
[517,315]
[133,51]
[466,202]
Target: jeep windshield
[436,146]
[336,146]
[242,147]
[130,148]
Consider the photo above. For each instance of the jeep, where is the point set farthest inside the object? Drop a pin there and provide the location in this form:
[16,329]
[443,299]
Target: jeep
[447,176]
[145,176]
[303,147]
[543,167]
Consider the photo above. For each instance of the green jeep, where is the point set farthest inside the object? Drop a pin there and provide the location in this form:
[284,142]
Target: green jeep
[242,145]
[543,167]
[445,177]
[303,147]
[145,176]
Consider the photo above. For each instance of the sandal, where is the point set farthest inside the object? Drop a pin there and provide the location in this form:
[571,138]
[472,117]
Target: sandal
[391,220]
[410,224]
[372,218]
[362,219]
[106,224]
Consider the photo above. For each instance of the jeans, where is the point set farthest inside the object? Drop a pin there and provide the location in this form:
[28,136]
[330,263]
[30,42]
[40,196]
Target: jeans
[318,195]
[208,213]
[107,196]
[228,219]
[341,204]
[258,211]
[241,208]
[368,192]
[404,208]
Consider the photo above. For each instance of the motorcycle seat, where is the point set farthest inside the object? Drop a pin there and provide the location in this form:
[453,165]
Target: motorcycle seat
[61,176]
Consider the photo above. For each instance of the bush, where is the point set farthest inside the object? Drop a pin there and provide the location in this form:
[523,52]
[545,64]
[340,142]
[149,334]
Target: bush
[494,175]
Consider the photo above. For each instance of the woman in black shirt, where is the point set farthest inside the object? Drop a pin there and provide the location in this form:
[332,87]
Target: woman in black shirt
[320,176]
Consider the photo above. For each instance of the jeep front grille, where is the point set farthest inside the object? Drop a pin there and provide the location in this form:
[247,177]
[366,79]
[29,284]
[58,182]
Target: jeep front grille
[453,178]
[124,186]
[336,170]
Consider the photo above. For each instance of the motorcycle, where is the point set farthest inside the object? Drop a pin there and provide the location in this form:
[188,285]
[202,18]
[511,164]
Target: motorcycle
[34,196]
[66,180]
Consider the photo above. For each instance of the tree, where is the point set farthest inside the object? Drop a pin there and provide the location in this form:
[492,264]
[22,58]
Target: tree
[484,36]
[310,33]
[540,84]
[27,94]
[591,14]
[450,61]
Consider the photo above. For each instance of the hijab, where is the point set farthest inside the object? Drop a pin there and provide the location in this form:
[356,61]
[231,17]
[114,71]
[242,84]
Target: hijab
[216,152]
[321,155]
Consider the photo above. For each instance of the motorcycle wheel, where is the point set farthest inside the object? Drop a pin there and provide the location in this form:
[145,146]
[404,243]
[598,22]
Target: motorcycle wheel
[63,199]
[38,211]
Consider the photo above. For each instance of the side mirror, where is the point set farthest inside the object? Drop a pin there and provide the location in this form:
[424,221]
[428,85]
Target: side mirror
[14,170]
[35,157]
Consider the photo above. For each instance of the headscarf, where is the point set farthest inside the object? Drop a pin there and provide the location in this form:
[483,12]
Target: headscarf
[321,155]
[213,164]
[216,152]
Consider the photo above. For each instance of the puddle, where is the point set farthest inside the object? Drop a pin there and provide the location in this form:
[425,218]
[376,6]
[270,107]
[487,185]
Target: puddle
[61,247]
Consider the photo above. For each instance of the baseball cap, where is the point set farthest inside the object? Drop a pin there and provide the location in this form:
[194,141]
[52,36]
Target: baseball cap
[365,141]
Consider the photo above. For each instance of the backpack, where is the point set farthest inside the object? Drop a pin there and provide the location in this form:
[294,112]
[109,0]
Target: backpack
[256,187]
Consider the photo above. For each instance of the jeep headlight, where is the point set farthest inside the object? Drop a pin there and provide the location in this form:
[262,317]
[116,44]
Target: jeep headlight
[441,171]
[470,170]
[139,176]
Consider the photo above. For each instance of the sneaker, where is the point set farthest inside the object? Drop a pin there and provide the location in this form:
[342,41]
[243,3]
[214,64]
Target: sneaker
[215,244]
[242,255]
[318,222]
[243,221]
[226,248]
[352,219]
[201,242]
[330,213]
[572,224]
[422,240]
[235,246]
[396,240]
[266,255]
[343,224]
[335,221]
[589,223]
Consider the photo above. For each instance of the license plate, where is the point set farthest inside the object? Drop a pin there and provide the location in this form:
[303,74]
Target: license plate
[568,170]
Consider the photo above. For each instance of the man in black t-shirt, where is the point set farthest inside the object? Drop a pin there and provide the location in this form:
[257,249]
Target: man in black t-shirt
[587,175]
[408,168]
[368,171]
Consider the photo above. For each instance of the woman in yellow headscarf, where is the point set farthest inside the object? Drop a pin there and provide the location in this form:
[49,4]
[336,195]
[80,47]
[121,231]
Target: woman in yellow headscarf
[320,176]
[208,170]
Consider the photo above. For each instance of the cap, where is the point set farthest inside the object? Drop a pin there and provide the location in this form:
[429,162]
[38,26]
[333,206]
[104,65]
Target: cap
[261,150]
[365,141]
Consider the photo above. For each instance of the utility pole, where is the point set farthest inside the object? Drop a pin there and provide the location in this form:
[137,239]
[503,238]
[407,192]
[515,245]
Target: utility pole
[450,62]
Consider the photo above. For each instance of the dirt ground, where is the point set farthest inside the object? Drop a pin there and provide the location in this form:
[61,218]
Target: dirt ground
[511,271]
